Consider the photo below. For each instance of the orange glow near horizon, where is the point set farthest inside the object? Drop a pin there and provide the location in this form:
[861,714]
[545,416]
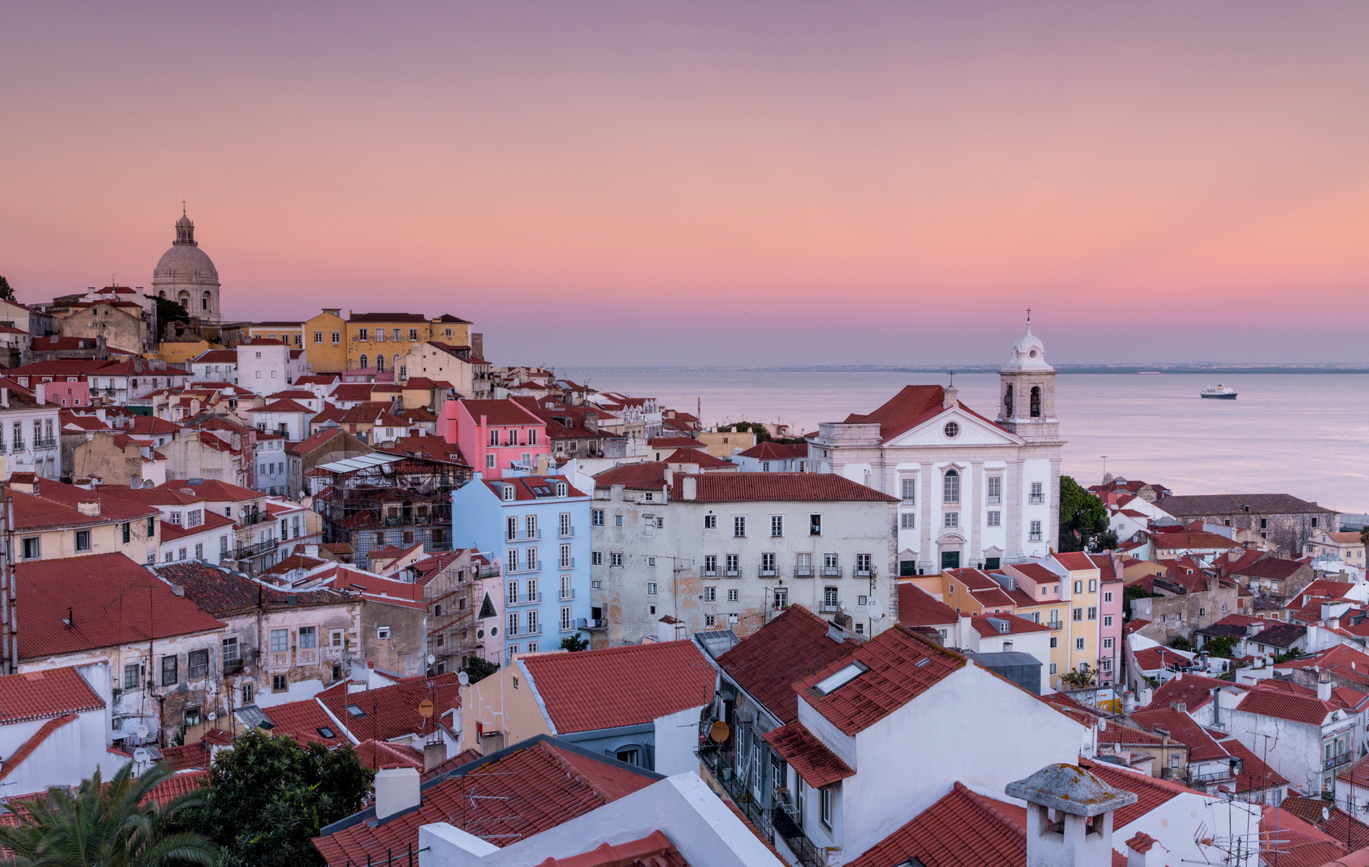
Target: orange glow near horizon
[882,177]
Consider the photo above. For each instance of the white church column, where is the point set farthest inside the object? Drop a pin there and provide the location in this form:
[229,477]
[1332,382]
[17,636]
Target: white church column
[1013,500]
[972,516]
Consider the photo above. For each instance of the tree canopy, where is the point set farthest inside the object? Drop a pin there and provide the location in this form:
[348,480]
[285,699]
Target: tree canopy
[1083,519]
[113,824]
[168,311]
[268,796]
[6,293]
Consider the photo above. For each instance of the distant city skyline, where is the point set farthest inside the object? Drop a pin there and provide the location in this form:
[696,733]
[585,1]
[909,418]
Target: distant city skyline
[708,183]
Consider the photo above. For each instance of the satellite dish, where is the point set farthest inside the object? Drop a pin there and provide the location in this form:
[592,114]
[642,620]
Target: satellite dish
[211,716]
[719,732]
[876,609]
[463,678]
[431,659]
[141,756]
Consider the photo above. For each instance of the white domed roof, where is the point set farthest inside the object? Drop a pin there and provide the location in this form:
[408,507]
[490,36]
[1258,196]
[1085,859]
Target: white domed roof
[184,264]
[1028,354]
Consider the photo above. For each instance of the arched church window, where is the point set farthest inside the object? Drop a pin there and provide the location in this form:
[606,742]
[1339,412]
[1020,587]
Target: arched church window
[1007,401]
[184,300]
[364,362]
[950,487]
[380,362]
[1036,401]
[204,301]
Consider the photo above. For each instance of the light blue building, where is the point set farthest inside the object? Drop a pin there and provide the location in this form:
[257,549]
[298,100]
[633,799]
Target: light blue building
[538,529]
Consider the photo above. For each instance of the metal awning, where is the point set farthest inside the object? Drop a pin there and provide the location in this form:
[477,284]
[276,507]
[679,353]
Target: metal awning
[360,462]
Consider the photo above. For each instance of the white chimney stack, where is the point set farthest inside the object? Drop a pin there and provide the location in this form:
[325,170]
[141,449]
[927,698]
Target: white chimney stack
[396,791]
[1324,686]
[1138,850]
[1069,816]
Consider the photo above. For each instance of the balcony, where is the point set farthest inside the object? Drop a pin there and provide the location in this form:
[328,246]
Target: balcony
[733,573]
[591,624]
[567,595]
[710,573]
[1033,537]
[566,563]
[831,571]
[829,607]
[1335,761]
[803,571]
[247,519]
[768,573]
[525,599]
[245,552]
[865,573]
[45,444]
[1036,500]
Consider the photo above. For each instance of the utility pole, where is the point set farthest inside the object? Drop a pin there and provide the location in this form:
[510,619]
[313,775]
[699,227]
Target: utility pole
[9,617]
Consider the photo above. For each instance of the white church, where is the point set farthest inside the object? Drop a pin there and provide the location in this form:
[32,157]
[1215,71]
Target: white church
[973,491]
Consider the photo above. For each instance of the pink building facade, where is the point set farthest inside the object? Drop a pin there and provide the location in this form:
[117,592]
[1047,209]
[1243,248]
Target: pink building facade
[1110,625]
[496,436]
[65,392]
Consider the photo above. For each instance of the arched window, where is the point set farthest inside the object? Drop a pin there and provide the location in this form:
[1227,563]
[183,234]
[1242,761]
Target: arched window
[1007,401]
[950,487]
[1036,401]
[364,362]
[184,300]
[380,362]
[204,301]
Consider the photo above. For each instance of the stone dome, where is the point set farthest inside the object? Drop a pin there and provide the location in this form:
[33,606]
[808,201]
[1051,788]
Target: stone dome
[184,264]
[1028,354]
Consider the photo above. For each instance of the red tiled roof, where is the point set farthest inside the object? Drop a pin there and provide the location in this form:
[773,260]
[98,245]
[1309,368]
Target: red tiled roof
[392,711]
[900,665]
[110,601]
[1298,843]
[180,783]
[1154,658]
[460,760]
[1301,707]
[674,443]
[773,451]
[524,487]
[646,476]
[694,456]
[1118,734]
[283,406]
[1075,561]
[46,693]
[383,754]
[536,785]
[962,829]
[1151,791]
[1194,690]
[307,722]
[984,625]
[653,850]
[1184,729]
[1254,774]
[985,590]
[212,521]
[916,607]
[633,684]
[809,757]
[1200,540]
[776,487]
[783,651]
[1273,568]
[184,491]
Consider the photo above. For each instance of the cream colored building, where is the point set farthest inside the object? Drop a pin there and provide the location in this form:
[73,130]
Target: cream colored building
[53,520]
[1346,547]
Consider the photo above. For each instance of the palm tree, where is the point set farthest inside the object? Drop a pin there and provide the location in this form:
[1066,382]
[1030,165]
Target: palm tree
[99,824]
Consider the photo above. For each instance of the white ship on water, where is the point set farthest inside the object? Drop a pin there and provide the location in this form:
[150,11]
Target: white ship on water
[1218,392]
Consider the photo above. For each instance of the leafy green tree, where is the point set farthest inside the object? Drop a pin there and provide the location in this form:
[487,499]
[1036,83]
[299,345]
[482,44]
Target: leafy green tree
[1080,678]
[113,824]
[6,293]
[1083,519]
[1223,646]
[574,644]
[1178,642]
[168,311]
[268,796]
[478,669]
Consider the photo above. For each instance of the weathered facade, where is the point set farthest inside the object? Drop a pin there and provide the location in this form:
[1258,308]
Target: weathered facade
[1283,519]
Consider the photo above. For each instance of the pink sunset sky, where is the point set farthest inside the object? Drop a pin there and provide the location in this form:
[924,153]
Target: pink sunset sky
[707,182]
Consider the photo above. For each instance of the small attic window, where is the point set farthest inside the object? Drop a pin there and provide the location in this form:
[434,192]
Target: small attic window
[561,489]
[507,492]
[355,710]
[845,675]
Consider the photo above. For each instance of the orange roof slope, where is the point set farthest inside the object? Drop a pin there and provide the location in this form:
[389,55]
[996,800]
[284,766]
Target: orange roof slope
[787,649]
[620,686]
[38,694]
[963,829]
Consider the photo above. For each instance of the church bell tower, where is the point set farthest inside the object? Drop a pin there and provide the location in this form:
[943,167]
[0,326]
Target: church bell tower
[1026,403]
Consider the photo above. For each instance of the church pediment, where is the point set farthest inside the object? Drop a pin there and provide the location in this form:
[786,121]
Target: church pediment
[956,427]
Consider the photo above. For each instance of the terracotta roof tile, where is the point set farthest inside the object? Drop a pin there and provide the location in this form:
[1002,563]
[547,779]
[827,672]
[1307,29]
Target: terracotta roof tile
[809,757]
[632,685]
[987,625]
[389,712]
[500,412]
[918,608]
[776,487]
[645,476]
[787,649]
[962,829]
[899,666]
[45,693]
[1301,707]
[536,785]
[703,459]
[110,601]
[773,451]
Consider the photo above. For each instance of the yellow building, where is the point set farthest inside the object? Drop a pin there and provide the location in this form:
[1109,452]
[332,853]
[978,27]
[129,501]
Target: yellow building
[725,444]
[289,333]
[53,520]
[324,341]
[1063,591]
[182,351]
[381,341]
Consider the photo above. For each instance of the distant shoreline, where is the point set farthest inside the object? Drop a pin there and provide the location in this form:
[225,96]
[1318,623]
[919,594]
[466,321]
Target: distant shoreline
[1137,369]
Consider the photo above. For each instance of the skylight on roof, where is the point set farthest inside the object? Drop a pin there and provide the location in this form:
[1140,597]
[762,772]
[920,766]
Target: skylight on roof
[355,710]
[845,675]
[326,732]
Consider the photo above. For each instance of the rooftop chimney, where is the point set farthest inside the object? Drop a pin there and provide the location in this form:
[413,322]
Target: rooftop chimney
[1069,816]
[1324,686]
[1138,850]
[396,790]
[434,754]
[950,396]
[89,508]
